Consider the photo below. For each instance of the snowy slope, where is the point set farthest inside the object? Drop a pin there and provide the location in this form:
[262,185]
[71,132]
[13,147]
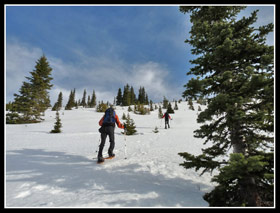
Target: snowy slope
[58,170]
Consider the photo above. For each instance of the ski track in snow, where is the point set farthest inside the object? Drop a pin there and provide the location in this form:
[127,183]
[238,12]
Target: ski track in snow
[58,170]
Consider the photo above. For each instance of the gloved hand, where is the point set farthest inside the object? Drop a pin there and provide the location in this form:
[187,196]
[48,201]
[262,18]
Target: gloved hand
[124,126]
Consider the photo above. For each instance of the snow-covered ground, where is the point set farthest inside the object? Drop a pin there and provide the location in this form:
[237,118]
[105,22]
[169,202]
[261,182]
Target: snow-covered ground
[58,170]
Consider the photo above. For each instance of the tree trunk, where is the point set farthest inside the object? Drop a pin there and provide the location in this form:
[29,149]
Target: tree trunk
[251,195]
[248,190]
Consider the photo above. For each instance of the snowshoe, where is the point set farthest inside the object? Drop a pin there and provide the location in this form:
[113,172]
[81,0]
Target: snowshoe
[111,156]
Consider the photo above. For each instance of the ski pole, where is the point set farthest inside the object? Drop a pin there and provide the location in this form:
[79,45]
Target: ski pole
[125,145]
[98,145]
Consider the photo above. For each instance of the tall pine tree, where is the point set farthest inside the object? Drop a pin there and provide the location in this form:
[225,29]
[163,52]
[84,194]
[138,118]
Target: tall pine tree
[126,100]
[71,101]
[235,71]
[83,103]
[57,106]
[34,98]
[119,97]
[132,96]
[93,100]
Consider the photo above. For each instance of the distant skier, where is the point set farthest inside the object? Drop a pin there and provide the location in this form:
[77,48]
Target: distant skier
[167,117]
[107,124]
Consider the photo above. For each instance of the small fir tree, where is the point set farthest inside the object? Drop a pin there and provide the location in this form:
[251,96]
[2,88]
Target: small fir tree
[169,109]
[190,103]
[160,114]
[130,126]
[124,116]
[156,130]
[176,106]
[151,106]
[101,107]
[165,103]
[141,109]
[57,125]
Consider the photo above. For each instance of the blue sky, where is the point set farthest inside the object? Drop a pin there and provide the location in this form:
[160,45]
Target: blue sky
[103,48]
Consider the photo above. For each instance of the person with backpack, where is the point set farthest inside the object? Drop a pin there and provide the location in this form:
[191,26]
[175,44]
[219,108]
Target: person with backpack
[107,124]
[167,117]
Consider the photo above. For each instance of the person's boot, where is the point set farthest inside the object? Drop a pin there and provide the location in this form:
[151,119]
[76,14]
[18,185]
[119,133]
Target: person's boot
[111,154]
[100,159]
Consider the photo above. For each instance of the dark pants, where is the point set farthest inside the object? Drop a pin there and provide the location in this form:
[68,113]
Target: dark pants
[167,124]
[108,130]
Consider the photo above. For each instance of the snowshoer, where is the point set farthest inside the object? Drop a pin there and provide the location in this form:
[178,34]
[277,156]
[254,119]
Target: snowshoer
[107,124]
[167,117]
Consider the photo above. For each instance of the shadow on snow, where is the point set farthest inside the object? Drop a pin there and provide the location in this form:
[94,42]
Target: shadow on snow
[139,188]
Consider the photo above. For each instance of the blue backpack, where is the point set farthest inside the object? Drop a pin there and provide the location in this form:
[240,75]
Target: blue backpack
[109,118]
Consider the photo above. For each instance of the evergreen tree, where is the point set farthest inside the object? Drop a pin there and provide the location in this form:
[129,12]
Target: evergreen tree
[190,103]
[119,97]
[129,98]
[101,107]
[23,103]
[176,106]
[88,101]
[156,130]
[130,125]
[68,105]
[9,106]
[140,109]
[235,71]
[92,103]
[34,98]
[71,101]
[57,106]
[124,116]
[160,114]
[151,106]
[126,100]
[83,103]
[165,103]
[132,96]
[169,109]
[40,81]
[142,97]
[57,125]
[146,99]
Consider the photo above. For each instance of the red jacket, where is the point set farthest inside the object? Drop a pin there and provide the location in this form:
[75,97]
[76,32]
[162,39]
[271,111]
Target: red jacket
[120,125]
[168,116]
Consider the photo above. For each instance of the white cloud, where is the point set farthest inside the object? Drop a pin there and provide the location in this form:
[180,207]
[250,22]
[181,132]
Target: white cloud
[20,60]
[103,74]
[153,77]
